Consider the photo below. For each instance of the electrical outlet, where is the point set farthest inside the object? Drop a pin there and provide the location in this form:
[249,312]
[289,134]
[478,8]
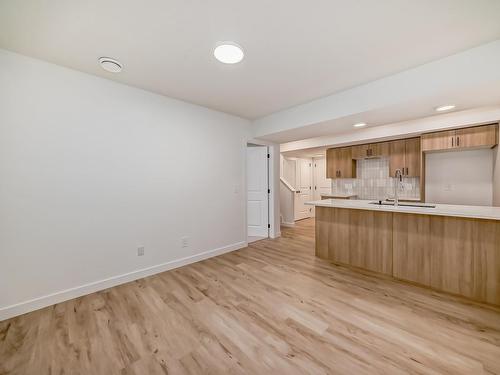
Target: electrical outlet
[185,241]
[140,251]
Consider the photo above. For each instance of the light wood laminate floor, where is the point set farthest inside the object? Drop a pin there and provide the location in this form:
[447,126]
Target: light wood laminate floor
[272,308]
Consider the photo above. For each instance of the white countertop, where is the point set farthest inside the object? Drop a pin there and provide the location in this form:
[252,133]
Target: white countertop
[339,195]
[475,212]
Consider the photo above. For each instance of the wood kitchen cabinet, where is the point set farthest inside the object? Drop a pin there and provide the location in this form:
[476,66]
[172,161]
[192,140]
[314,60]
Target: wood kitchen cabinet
[370,150]
[360,151]
[332,157]
[405,155]
[339,163]
[479,136]
[438,140]
[484,136]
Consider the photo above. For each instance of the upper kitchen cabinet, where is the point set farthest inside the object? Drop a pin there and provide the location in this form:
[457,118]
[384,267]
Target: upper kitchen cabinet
[485,136]
[479,136]
[412,157]
[371,150]
[339,163]
[332,158]
[438,140]
[405,155]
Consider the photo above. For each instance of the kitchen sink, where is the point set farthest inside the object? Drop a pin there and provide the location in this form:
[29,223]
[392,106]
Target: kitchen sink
[404,204]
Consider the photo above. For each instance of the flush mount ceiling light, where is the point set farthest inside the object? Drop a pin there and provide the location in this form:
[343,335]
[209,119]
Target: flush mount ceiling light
[110,65]
[228,53]
[444,108]
[360,125]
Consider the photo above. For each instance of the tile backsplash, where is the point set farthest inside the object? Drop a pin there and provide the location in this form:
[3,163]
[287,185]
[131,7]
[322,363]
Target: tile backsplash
[373,182]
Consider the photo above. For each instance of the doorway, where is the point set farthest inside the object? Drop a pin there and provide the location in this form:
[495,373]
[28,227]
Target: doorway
[257,192]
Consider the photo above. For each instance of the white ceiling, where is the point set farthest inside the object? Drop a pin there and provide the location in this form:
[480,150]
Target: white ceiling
[295,50]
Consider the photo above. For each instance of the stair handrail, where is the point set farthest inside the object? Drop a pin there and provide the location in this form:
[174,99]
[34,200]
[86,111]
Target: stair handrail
[287,185]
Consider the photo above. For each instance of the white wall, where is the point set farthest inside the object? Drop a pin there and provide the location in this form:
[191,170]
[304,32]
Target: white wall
[460,177]
[287,204]
[289,170]
[91,169]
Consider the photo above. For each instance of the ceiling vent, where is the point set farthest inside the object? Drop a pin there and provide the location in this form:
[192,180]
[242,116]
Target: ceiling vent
[110,65]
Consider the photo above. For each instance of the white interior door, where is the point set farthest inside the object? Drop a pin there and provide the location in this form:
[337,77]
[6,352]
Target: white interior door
[303,189]
[257,192]
[322,185]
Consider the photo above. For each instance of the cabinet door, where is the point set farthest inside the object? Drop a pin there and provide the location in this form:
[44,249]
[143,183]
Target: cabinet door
[397,156]
[438,141]
[347,167]
[332,162]
[479,136]
[359,151]
[412,157]
[379,149]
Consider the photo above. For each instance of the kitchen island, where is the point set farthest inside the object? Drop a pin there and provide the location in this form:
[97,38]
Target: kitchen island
[450,248]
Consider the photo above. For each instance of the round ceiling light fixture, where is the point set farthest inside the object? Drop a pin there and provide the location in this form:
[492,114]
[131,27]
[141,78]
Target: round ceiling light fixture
[110,65]
[444,108]
[228,53]
[360,125]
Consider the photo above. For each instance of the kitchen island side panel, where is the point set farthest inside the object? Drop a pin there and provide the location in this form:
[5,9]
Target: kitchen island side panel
[451,254]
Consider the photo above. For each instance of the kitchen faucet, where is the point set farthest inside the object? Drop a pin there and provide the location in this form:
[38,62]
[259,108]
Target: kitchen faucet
[398,180]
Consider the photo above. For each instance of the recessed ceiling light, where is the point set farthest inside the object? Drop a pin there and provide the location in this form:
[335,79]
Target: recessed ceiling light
[445,108]
[360,125]
[110,65]
[228,53]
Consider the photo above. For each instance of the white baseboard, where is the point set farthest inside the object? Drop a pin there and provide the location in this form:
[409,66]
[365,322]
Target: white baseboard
[67,294]
[288,224]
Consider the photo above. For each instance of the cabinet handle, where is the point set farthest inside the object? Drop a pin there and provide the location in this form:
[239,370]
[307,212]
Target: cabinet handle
[407,171]
[458,141]
[452,138]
